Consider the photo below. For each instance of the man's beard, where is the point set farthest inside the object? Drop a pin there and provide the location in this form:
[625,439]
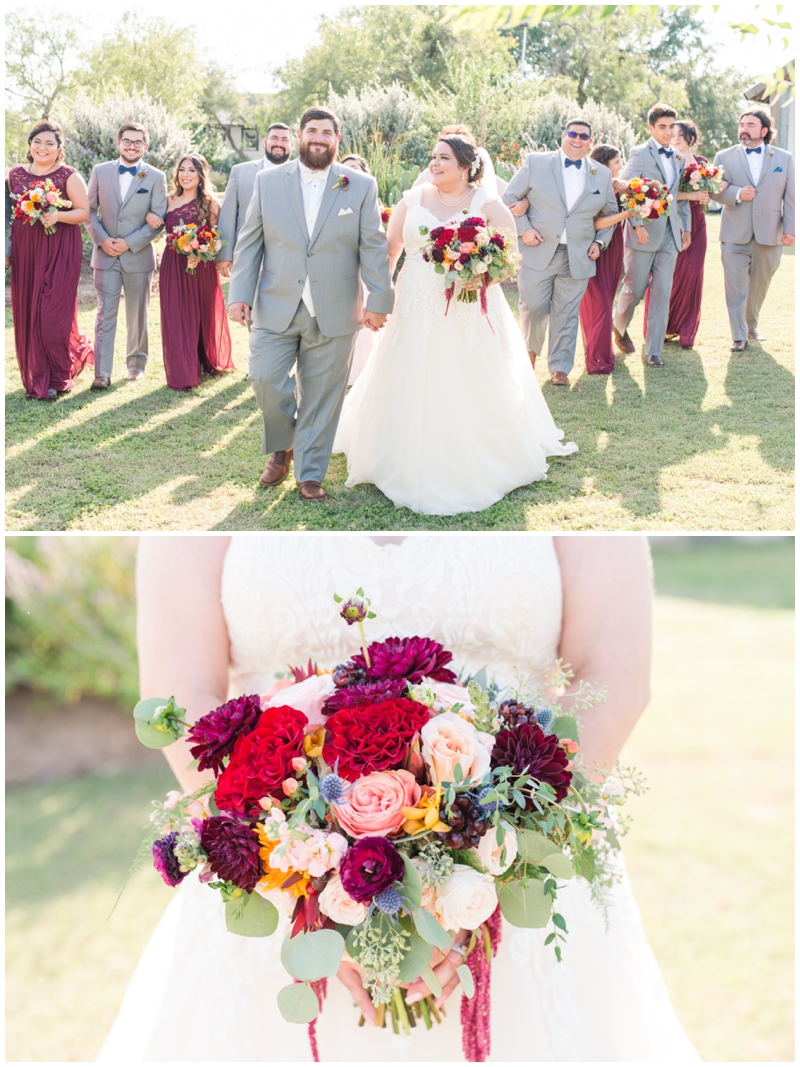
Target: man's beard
[277,160]
[315,157]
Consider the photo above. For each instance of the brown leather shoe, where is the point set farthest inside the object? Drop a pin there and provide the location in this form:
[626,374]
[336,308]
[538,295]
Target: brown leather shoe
[100,383]
[754,335]
[655,361]
[624,343]
[311,491]
[135,375]
[532,358]
[738,346]
[277,467]
[558,377]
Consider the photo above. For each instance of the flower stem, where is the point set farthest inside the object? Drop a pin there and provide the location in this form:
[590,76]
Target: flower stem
[402,1014]
[364,644]
[426,1015]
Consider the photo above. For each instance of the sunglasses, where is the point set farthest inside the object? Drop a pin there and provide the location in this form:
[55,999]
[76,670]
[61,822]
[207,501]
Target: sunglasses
[583,136]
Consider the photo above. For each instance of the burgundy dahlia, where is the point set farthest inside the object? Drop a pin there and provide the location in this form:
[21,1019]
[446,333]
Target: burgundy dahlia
[165,862]
[409,658]
[215,734]
[233,850]
[369,866]
[527,749]
[370,693]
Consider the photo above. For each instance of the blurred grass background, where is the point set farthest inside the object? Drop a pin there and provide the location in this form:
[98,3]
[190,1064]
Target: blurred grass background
[710,853]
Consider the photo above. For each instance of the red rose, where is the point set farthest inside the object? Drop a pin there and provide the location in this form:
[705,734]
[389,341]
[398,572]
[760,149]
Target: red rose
[651,193]
[372,737]
[467,233]
[654,214]
[261,760]
[444,238]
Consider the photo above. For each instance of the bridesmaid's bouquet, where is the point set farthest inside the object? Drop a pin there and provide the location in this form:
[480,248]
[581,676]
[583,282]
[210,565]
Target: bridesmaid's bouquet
[471,256]
[645,199]
[385,807]
[39,200]
[386,213]
[198,242]
[701,178]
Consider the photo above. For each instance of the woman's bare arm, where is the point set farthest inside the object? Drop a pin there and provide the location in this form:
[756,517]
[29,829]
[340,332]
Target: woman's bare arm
[606,633]
[394,233]
[184,650]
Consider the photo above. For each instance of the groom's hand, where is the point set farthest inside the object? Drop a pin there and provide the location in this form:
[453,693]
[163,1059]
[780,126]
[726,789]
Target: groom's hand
[373,320]
[532,238]
[594,250]
[239,313]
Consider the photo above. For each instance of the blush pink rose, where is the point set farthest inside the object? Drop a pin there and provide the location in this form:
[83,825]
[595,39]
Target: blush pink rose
[448,740]
[308,697]
[375,806]
[467,246]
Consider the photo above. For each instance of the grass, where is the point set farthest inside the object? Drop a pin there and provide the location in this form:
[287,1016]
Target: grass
[707,444]
[710,853]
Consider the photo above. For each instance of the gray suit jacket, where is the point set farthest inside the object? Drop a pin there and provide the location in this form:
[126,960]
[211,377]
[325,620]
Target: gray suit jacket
[108,217]
[346,245]
[646,162]
[238,193]
[541,180]
[770,213]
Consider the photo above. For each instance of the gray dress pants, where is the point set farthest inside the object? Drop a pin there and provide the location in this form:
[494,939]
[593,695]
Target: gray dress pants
[748,270]
[653,267]
[110,284]
[551,297]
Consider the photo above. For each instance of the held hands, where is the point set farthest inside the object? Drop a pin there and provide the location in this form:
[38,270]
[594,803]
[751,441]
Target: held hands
[532,238]
[642,236]
[154,221]
[519,207]
[787,240]
[594,250]
[224,267]
[373,320]
[686,239]
[239,313]
[747,192]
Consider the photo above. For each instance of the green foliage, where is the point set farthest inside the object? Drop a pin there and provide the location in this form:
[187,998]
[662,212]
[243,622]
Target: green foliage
[40,57]
[70,618]
[431,930]
[315,955]
[388,114]
[298,1003]
[524,903]
[250,915]
[545,127]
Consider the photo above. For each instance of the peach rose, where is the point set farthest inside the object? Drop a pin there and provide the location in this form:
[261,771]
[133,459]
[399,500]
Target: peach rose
[338,905]
[447,740]
[307,696]
[375,806]
[446,694]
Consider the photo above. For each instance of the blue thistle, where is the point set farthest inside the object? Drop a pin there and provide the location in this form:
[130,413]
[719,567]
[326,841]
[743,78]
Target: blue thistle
[335,790]
[488,805]
[389,901]
[545,718]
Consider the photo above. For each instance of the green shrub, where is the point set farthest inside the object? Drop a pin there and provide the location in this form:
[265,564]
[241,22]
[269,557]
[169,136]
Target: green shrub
[545,123]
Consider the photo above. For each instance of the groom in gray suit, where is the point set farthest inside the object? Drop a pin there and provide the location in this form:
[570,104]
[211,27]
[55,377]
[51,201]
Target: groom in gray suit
[312,232]
[558,241]
[757,221]
[651,250]
[122,194]
[239,190]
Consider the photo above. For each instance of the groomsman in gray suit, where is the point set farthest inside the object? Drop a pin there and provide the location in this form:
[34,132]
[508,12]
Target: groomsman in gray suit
[239,190]
[652,250]
[558,241]
[313,230]
[757,221]
[122,194]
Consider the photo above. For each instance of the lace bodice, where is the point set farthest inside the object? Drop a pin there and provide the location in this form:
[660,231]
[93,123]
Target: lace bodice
[417,215]
[185,213]
[20,178]
[490,601]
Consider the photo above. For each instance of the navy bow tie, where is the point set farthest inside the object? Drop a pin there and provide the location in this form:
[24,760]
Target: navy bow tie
[665,152]
[127,170]
[573,163]
[749,150]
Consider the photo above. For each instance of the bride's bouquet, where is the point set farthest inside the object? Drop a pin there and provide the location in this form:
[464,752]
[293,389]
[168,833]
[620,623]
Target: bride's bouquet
[38,201]
[646,199]
[384,807]
[195,240]
[471,256]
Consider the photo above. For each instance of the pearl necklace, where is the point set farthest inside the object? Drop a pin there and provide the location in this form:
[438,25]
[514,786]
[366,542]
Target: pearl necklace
[463,198]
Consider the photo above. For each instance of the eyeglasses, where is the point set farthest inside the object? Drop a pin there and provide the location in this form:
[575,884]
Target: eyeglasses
[570,133]
[131,144]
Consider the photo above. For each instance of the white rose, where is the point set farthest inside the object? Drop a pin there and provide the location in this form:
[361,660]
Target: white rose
[458,265]
[466,899]
[482,238]
[307,696]
[446,694]
[489,852]
[447,740]
[284,902]
[337,904]
[481,268]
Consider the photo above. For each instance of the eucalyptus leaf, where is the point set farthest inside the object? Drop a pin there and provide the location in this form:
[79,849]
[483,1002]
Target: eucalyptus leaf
[465,977]
[298,1003]
[317,956]
[415,960]
[525,905]
[428,976]
[431,929]
[565,726]
[146,709]
[559,865]
[534,847]
[412,885]
[287,948]
[250,915]
[350,943]
[151,736]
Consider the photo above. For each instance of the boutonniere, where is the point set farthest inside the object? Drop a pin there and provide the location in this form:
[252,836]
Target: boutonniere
[592,170]
[342,182]
[141,174]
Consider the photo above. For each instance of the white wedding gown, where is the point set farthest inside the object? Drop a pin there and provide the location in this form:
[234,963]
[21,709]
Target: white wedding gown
[448,415]
[201,994]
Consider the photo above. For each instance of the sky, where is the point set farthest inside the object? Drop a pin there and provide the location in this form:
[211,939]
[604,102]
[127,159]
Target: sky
[254,46]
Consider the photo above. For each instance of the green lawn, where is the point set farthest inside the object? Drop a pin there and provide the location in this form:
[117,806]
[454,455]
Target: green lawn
[707,444]
[710,853]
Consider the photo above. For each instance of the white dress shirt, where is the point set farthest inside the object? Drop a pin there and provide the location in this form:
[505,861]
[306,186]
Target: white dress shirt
[313,186]
[670,168]
[125,179]
[755,161]
[574,184]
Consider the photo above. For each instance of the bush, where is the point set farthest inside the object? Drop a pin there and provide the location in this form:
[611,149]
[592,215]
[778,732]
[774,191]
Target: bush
[71,618]
[387,114]
[90,131]
[545,125]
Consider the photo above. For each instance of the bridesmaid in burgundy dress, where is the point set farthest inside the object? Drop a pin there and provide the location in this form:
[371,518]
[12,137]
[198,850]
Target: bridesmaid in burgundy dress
[194,327]
[45,270]
[687,281]
[597,305]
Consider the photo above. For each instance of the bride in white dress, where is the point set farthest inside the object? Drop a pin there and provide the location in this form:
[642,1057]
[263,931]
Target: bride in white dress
[448,415]
[220,616]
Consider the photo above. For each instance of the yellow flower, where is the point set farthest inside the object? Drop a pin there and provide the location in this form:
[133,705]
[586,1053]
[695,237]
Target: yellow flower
[274,877]
[425,816]
[312,745]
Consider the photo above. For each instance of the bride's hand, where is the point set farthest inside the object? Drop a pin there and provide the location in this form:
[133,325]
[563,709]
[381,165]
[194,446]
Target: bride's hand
[444,967]
[349,974]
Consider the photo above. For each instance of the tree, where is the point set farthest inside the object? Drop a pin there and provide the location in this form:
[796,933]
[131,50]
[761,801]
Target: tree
[40,59]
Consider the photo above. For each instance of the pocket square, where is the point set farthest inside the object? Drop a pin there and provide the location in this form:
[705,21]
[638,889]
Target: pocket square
[142,190]
[779,169]
[595,192]
[344,211]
